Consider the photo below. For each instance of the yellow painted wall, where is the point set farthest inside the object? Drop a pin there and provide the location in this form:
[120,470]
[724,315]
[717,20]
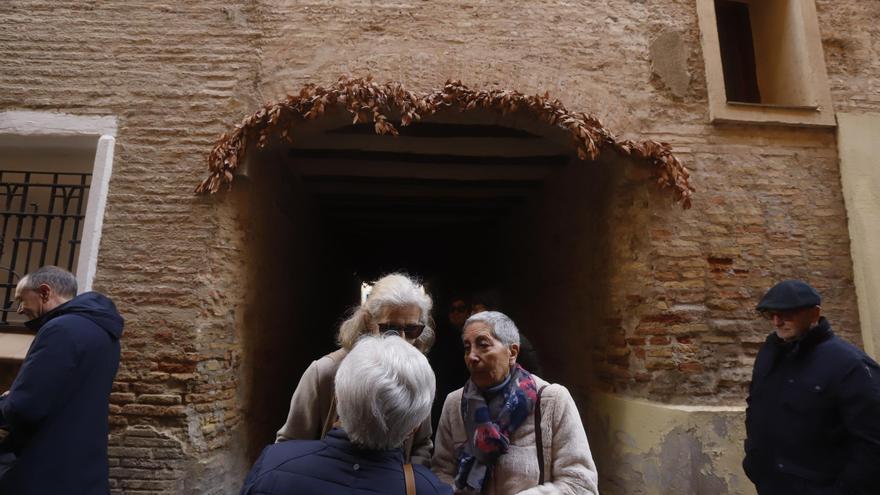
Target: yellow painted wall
[859,148]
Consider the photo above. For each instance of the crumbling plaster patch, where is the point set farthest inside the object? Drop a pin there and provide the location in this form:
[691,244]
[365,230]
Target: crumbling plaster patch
[649,448]
[669,61]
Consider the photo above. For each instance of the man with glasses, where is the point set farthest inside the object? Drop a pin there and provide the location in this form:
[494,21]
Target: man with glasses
[58,405]
[813,416]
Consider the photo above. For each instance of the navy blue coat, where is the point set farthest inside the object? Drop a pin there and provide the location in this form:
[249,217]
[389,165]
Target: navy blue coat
[58,405]
[334,466]
[813,417]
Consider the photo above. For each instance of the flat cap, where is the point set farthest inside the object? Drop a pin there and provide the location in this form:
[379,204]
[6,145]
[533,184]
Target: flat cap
[789,294]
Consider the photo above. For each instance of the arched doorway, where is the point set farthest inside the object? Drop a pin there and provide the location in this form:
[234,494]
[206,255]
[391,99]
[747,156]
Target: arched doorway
[482,190]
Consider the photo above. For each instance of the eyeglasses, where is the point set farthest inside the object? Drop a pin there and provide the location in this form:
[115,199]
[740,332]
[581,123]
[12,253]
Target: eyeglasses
[411,332]
[784,315]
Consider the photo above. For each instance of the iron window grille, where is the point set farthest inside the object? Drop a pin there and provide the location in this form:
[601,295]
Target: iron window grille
[42,220]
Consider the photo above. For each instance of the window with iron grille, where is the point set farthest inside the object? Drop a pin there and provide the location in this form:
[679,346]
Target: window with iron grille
[54,178]
[41,217]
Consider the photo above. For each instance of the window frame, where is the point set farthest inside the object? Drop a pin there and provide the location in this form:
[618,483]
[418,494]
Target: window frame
[722,111]
[57,126]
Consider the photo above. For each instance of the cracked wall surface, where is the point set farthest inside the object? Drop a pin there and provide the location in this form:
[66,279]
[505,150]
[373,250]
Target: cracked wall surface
[649,448]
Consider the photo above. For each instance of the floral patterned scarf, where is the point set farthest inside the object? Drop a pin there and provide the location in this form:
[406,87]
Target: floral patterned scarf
[490,424]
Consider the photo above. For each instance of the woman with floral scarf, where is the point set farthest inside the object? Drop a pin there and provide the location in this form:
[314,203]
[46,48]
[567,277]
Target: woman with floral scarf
[490,429]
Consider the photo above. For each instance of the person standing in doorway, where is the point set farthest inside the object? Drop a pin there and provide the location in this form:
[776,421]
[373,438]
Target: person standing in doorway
[397,304]
[813,415]
[57,408]
[446,355]
[490,300]
[507,431]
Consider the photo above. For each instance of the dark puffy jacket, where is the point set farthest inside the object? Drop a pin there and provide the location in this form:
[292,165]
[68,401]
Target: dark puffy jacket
[333,466]
[58,405]
[813,417]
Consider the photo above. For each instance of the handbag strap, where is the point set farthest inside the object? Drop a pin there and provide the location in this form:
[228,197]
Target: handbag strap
[539,441]
[408,447]
[330,419]
[409,478]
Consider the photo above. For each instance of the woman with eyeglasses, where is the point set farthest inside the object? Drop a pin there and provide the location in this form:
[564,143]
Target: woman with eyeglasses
[507,431]
[396,304]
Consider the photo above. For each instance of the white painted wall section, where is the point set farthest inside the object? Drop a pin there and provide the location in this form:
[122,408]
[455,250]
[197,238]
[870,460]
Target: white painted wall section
[91,240]
[28,123]
[859,149]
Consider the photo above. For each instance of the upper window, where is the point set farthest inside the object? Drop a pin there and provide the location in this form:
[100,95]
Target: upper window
[764,62]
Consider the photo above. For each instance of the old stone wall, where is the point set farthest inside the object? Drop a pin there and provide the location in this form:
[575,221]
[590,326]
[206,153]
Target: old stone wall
[175,75]
[769,203]
[678,326]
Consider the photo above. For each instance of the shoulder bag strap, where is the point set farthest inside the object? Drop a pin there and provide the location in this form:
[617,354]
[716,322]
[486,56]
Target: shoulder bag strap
[408,447]
[330,419]
[539,443]
[410,478]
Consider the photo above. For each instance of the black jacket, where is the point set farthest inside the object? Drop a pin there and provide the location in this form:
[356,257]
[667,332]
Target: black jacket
[58,405]
[813,417]
[334,466]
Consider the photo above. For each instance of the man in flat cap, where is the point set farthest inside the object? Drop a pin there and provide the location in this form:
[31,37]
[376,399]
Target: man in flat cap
[813,416]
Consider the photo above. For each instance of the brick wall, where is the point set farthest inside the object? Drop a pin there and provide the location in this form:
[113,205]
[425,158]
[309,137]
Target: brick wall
[677,324]
[175,75]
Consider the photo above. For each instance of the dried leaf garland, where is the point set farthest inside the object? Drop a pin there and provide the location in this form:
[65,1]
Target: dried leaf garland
[369,101]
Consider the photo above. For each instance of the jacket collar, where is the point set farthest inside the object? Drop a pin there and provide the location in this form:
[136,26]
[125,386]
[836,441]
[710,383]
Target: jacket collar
[37,323]
[338,439]
[813,337]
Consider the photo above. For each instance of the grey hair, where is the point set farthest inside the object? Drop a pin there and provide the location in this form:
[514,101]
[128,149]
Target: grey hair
[384,390]
[392,290]
[501,325]
[60,280]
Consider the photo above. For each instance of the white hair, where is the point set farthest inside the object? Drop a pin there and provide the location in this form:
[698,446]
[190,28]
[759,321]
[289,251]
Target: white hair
[392,290]
[384,390]
[60,280]
[501,326]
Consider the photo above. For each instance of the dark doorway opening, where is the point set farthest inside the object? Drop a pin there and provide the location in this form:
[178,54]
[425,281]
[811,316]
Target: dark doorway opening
[466,202]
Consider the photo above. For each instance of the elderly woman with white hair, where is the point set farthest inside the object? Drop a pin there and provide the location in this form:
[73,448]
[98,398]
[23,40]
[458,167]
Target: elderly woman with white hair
[384,390]
[507,431]
[396,304]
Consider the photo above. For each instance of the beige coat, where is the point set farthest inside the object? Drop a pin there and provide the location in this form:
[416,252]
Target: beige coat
[568,464]
[310,405]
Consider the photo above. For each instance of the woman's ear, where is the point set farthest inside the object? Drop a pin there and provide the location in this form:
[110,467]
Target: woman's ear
[514,353]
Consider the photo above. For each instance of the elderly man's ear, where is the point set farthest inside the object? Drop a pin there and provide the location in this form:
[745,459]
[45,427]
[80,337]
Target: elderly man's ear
[815,314]
[514,353]
[45,292]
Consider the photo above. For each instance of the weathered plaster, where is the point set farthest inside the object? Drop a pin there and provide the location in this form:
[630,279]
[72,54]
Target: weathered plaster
[649,448]
[859,147]
[669,61]
[55,124]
